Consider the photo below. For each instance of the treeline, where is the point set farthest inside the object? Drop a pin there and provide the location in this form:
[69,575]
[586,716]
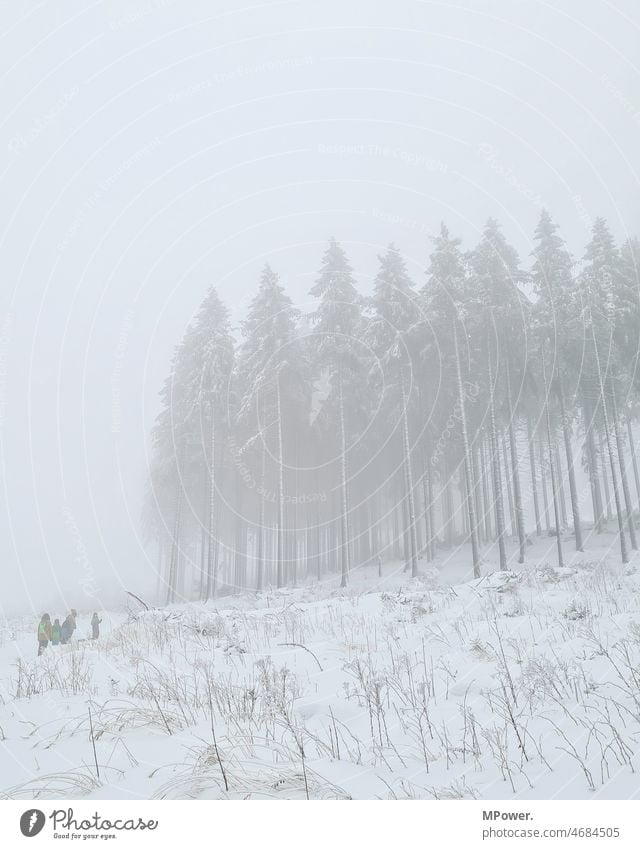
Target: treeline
[415,418]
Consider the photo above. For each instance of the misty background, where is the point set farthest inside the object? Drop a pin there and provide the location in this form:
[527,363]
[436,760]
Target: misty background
[151,149]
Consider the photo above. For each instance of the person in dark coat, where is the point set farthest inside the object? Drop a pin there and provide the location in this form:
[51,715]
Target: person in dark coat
[95,626]
[68,627]
[44,633]
[55,632]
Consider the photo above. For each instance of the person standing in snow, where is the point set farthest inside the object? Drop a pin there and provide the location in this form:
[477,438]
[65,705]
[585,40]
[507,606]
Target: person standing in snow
[68,627]
[95,626]
[379,566]
[44,633]
[55,632]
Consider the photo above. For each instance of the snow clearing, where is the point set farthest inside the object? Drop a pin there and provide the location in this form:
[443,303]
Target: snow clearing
[517,685]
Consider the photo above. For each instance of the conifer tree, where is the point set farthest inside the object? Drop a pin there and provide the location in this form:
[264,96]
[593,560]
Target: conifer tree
[552,280]
[272,383]
[338,354]
[392,337]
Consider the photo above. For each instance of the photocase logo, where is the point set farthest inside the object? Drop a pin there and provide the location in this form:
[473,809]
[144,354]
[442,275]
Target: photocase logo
[32,822]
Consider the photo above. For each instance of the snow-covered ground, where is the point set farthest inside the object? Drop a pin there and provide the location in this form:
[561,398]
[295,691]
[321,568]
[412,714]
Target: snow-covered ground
[522,684]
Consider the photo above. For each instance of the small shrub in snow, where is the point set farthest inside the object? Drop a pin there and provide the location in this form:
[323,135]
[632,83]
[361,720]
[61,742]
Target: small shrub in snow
[575,611]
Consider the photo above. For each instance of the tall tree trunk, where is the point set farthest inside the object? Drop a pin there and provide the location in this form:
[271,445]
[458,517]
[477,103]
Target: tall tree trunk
[605,477]
[515,471]
[294,529]
[477,486]
[318,531]
[261,528]
[180,572]
[623,468]
[543,482]
[486,498]
[432,512]
[450,522]
[573,491]
[507,479]
[554,489]
[560,479]
[396,536]
[374,522]
[216,557]
[366,534]
[497,476]
[280,505]
[411,505]
[592,461]
[614,477]
[595,500]
[425,498]
[534,481]
[332,551]
[212,504]
[239,560]
[160,567]
[552,471]
[632,447]
[344,495]
[463,489]
[203,536]
[406,542]
[174,562]
[468,470]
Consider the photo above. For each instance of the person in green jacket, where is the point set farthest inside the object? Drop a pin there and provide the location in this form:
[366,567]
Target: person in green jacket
[55,632]
[44,633]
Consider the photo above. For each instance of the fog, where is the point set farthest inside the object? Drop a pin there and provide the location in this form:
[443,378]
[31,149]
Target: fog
[151,149]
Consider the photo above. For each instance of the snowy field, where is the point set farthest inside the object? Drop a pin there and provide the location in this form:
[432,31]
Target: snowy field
[522,684]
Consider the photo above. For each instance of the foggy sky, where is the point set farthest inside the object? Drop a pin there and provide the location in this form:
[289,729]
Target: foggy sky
[151,148]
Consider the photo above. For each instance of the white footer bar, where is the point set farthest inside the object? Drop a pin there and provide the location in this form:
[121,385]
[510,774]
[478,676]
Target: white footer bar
[320,825]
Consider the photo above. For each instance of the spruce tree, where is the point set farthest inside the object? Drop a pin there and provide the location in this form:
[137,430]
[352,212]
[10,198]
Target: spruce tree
[448,305]
[552,280]
[599,284]
[338,354]
[496,278]
[391,333]
[272,384]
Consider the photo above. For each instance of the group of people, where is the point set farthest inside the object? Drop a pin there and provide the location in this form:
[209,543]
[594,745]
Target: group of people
[58,634]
